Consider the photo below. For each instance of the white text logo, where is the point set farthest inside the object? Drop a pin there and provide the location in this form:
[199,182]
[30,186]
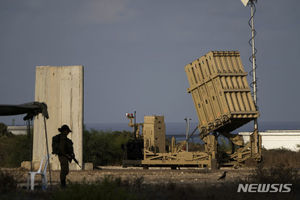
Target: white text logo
[254,187]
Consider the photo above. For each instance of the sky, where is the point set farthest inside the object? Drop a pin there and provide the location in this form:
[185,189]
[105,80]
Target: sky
[134,52]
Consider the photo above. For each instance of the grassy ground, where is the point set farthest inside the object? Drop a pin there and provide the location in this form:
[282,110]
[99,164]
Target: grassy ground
[101,148]
[112,187]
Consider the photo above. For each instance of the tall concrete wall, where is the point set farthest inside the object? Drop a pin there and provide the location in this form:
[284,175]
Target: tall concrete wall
[61,88]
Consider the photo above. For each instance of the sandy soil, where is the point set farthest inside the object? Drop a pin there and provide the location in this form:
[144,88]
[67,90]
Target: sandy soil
[149,176]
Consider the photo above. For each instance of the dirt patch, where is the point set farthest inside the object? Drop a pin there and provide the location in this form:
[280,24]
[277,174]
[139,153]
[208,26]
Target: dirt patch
[150,176]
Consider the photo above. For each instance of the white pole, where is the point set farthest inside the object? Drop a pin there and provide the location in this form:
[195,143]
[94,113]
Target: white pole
[48,155]
[187,130]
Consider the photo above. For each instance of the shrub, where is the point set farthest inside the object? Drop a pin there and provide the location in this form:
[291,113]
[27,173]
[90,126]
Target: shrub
[104,148]
[99,147]
[279,173]
[281,157]
[14,150]
[7,182]
[4,131]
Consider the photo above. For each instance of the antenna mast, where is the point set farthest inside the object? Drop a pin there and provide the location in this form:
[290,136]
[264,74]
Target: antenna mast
[253,57]
[256,139]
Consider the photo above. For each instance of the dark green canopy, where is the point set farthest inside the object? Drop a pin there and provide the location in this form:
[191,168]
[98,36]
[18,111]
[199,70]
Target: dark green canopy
[30,109]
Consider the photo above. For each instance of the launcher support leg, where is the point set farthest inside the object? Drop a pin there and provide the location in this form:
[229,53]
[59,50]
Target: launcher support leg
[255,140]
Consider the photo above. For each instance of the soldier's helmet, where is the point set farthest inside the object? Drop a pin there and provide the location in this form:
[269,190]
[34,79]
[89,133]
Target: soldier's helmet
[64,128]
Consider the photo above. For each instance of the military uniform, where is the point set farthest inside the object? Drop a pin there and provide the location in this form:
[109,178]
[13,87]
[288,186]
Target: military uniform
[63,147]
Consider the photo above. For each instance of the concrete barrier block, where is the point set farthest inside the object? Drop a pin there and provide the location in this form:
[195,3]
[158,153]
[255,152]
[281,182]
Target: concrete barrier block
[26,165]
[88,166]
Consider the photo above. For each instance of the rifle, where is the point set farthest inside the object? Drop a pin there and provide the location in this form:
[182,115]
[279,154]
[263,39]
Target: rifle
[72,157]
[76,161]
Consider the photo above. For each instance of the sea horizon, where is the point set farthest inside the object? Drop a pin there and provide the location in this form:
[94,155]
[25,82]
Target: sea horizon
[178,128]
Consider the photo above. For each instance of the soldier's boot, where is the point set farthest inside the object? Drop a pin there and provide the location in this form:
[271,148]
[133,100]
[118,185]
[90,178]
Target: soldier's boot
[63,183]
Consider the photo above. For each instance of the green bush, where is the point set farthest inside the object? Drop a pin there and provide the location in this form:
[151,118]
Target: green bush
[279,173]
[99,147]
[7,182]
[281,157]
[14,150]
[3,130]
[104,148]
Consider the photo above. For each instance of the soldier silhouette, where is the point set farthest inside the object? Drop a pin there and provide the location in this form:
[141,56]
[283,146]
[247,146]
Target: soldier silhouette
[63,147]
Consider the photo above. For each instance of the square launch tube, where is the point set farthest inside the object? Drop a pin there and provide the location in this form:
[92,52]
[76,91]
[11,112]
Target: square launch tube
[220,91]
